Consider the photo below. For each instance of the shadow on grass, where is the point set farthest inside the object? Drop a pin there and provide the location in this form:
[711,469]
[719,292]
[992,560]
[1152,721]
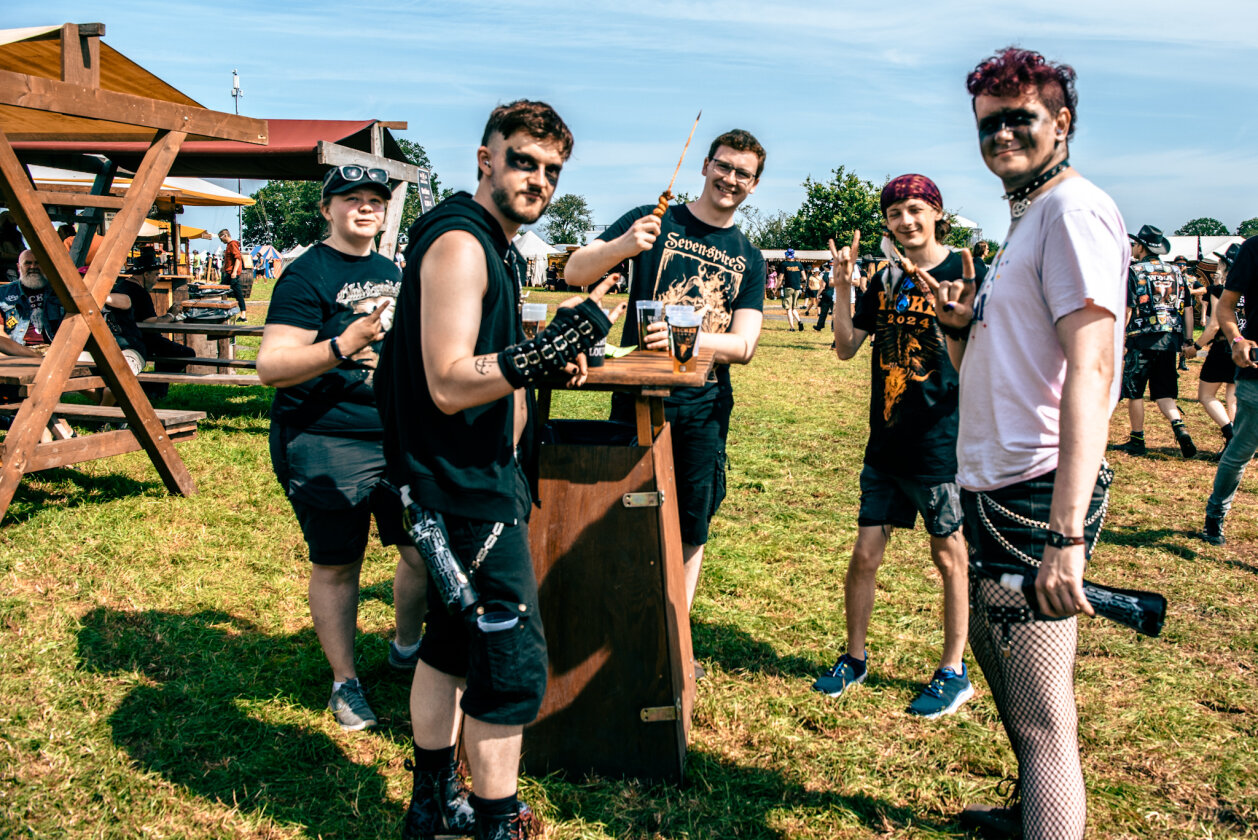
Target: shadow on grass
[192,723]
[65,487]
[748,800]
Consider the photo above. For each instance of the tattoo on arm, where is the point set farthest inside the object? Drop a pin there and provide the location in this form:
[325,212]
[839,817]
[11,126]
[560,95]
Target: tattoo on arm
[486,365]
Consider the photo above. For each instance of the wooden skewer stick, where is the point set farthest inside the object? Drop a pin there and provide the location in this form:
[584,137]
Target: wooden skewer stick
[667,195]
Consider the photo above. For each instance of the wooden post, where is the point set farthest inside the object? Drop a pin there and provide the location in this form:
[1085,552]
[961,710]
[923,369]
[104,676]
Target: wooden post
[393,220]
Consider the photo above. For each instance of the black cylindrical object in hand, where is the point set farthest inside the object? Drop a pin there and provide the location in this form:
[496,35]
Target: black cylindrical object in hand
[428,532]
[1144,612]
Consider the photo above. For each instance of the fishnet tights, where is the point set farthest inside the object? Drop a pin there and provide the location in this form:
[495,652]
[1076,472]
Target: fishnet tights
[1034,692]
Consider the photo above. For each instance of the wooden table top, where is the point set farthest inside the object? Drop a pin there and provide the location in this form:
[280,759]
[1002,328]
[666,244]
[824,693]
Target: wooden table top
[194,328]
[646,370]
[22,370]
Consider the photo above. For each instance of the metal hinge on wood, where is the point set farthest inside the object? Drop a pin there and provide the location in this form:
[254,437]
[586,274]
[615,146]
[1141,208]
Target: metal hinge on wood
[638,500]
[661,714]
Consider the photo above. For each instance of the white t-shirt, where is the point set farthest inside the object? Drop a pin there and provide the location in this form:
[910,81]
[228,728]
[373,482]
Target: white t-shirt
[1069,248]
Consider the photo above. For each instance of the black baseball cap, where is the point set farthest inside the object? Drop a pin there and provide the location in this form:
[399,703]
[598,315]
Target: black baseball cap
[351,176]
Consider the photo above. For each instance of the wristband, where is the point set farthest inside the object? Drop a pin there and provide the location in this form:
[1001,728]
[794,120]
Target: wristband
[1195,344]
[336,350]
[1056,539]
[1238,338]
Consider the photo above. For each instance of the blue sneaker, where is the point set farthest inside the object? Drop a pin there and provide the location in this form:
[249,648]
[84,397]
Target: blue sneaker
[847,672]
[943,695]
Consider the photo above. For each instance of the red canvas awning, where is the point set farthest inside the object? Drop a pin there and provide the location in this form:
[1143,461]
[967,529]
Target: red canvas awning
[290,153]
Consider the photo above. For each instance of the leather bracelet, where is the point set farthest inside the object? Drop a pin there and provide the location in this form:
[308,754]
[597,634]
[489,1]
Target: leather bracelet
[1195,344]
[336,350]
[1056,539]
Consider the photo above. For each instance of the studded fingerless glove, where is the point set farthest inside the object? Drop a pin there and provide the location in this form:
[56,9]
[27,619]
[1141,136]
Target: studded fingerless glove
[571,332]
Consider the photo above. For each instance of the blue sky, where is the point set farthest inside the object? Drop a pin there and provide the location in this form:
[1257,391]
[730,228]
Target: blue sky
[1166,117]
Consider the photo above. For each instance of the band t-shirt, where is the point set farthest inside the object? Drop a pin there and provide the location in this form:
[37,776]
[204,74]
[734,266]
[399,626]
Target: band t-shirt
[1069,249]
[1157,294]
[122,322]
[1243,278]
[693,263]
[1215,290]
[36,332]
[913,385]
[792,275]
[326,290]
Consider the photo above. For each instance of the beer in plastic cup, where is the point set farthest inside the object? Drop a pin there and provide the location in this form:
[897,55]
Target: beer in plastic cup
[534,317]
[649,312]
[683,338]
[598,352]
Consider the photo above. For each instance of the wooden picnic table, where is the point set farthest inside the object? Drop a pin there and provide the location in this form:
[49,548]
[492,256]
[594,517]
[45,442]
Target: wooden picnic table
[202,337]
[21,372]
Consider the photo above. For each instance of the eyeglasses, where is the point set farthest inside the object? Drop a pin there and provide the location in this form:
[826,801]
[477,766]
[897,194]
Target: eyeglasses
[353,172]
[741,176]
[902,302]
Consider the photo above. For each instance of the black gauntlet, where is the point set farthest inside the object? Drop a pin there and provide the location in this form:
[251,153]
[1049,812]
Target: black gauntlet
[572,331]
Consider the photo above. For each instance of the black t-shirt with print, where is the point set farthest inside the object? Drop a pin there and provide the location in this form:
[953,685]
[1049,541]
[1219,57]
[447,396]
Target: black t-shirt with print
[326,290]
[694,263]
[913,385]
[122,322]
[1243,277]
[792,275]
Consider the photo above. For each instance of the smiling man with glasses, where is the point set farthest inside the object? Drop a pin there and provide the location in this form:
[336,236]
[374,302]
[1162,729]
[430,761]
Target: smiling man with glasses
[694,256]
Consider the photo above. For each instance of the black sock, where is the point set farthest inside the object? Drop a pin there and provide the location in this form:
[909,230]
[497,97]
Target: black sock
[1137,435]
[431,761]
[1227,431]
[506,807]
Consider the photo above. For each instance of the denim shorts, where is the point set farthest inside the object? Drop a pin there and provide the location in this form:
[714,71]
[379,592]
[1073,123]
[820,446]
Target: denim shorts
[888,499]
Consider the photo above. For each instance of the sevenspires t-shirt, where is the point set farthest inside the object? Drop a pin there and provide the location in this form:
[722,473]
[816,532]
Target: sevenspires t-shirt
[1156,294]
[913,401]
[792,275]
[325,290]
[1243,278]
[697,264]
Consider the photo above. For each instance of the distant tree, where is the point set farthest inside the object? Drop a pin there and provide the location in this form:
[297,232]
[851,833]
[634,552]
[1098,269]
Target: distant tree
[835,208]
[1204,226]
[286,214]
[958,237]
[766,232]
[567,219]
[1247,228]
[683,198]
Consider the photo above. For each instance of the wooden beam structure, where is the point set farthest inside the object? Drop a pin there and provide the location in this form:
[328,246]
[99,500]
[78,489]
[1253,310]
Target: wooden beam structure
[78,95]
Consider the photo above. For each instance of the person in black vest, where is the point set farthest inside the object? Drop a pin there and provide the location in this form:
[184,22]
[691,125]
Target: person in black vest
[1159,326]
[327,316]
[454,398]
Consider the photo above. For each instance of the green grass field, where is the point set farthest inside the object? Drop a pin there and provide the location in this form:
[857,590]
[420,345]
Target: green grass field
[160,678]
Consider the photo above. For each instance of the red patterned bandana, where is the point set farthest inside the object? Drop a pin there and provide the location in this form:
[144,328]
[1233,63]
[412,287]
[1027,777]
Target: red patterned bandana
[911,186]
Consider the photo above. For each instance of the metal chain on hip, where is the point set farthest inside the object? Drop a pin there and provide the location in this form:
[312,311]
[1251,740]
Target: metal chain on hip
[984,500]
[494,533]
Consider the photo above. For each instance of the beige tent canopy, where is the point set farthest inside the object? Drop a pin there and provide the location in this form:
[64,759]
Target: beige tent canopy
[190,192]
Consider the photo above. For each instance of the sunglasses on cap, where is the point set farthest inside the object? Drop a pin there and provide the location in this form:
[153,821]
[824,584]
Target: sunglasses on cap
[353,172]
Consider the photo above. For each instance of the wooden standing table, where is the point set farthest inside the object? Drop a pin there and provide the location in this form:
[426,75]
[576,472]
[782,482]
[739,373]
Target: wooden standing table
[202,336]
[606,546]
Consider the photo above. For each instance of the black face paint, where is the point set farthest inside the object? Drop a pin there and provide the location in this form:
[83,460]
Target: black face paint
[524,163]
[1017,120]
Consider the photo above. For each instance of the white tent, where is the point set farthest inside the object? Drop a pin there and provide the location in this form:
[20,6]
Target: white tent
[1189,246]
[534,249]
[293,253]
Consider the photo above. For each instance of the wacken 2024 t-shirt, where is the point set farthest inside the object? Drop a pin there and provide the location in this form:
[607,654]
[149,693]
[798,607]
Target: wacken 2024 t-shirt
[913,400]
[694,263]
[325,290]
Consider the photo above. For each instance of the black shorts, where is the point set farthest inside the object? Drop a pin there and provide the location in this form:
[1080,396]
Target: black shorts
[1158,369]
[1218,367]
[506,670]
[335,487]
[888,499]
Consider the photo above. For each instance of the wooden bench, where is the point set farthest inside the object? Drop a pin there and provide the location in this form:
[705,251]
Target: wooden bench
[207,360]
[201,378]
[179,424]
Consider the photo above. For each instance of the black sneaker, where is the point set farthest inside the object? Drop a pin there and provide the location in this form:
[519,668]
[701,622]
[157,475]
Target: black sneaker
[1134,446]
[400,661]
[349,704]
[438,804]
[1213,531]
[993,820]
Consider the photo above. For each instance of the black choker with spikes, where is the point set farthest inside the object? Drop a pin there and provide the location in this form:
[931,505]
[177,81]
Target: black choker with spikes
[1018,201]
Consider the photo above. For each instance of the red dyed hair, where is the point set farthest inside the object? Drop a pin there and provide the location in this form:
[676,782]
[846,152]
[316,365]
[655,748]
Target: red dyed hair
[1011,71]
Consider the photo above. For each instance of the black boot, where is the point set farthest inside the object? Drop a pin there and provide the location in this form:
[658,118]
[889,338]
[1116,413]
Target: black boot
[1135,445]
[994,821]
[1186,447]
[521,825]
[438,804]
[1213,531]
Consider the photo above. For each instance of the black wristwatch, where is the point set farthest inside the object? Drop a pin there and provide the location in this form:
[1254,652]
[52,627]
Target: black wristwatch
[1056,539]
[336,350]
